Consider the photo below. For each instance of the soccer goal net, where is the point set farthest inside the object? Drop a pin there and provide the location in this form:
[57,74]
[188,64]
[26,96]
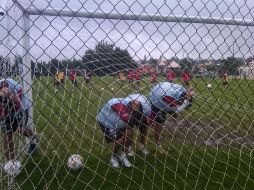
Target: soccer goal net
[80,68]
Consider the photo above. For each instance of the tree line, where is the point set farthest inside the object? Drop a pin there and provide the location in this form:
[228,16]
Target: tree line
[108,59]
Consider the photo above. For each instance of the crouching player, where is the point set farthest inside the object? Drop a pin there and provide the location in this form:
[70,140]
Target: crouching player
[14,108]
[142,124]
[116,119]
[167,98]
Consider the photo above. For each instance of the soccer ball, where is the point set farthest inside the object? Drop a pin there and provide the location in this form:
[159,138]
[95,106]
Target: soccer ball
[102,89]
[112,89]
[209,86]
[12,168]
[75,162]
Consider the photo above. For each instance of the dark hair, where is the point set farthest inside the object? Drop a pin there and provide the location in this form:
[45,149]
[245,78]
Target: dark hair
[135,116]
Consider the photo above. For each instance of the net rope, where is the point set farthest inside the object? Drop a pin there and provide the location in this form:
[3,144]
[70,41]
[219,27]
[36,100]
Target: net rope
[208,146]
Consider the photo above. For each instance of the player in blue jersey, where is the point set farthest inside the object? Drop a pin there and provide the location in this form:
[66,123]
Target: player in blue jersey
[117,118]
[142,124]
[14,110]
[167,98]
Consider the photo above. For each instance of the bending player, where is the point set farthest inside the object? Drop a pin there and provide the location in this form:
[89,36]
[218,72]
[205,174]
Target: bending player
[14,112]
[142,124]
[116,119]
[167,98]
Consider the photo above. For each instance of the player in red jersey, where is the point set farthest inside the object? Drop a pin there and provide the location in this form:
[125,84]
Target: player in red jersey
[170,76]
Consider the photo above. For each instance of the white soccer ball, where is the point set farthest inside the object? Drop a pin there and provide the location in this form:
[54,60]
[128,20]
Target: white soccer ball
[75,162]
[209,86]
[102,89]
[12,168]
[112,89]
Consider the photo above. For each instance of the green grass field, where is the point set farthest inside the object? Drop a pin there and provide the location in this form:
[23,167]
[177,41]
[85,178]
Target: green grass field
[66,124]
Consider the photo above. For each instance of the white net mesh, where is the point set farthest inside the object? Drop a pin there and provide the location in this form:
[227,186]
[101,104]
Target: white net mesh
[81,58]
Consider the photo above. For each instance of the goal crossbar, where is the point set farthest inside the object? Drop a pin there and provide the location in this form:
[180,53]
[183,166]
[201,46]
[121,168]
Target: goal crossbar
[139,17]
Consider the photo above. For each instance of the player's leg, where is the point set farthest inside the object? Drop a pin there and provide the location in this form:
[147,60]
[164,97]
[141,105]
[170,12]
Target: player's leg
[28,132]
[158,126]
[8,128]
[8,146]
[143,136]
[126,140]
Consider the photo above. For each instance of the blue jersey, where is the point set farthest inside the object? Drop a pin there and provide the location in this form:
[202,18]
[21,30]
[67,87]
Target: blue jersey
[144,102]
[108,117]
[169,90]
[16,88]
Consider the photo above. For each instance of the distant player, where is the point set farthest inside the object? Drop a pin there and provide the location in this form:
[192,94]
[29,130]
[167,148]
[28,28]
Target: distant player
[117,118]
[225,80]
[170,77]
[142,124]
[186,78]
[130,78]
[57,81]
[122,77]
[73,78]
[14,113]
[138,78]
[167,98]
[62,77]
[154,78]
[88,79]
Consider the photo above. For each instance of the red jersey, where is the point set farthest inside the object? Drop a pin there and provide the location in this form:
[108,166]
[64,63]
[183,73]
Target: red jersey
[185,76]
[137,75]
[130,75]
[171,75]
[73,75]
[153,77]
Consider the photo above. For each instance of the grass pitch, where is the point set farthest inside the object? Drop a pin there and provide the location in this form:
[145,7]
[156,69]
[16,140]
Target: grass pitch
[208,147]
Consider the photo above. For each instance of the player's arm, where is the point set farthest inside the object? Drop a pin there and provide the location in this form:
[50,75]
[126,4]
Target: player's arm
[12,97]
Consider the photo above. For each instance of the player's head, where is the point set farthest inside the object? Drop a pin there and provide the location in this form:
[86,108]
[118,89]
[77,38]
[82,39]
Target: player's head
[136,110]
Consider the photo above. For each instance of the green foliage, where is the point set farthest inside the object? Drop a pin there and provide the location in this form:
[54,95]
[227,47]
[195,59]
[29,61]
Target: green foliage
[231,65]
[106,59]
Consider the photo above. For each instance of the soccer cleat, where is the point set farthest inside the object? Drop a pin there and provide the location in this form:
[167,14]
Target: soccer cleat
[114,162]
[130,151]
[143,149]
[123,158]
[33,145]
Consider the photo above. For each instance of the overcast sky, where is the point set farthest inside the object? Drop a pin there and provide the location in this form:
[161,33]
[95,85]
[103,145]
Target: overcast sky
[62,37]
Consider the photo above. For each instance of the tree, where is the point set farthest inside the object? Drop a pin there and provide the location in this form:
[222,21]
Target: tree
[107,59]
[186,64]
[231,65]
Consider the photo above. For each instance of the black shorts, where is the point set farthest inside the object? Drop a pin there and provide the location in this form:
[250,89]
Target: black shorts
[11,124]
[160,116]
[62,81]
[225,83]
[112,134]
